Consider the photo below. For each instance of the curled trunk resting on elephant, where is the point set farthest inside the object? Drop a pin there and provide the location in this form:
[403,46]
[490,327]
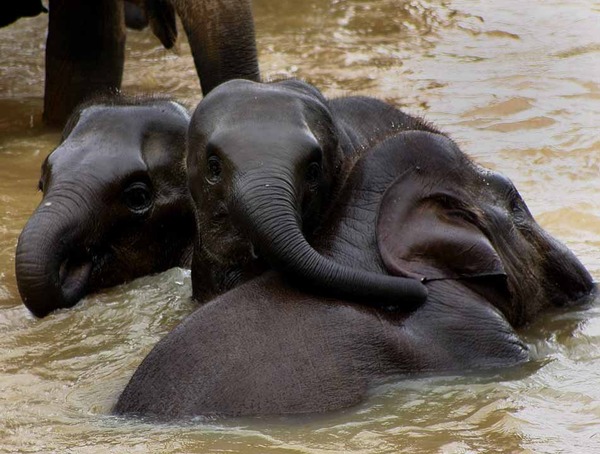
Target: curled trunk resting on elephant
[412,206]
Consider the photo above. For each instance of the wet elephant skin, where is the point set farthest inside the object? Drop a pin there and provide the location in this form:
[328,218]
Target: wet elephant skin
[267,347]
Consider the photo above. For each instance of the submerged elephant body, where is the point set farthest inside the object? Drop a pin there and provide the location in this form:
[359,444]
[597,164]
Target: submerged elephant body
[266,348]
[414,206]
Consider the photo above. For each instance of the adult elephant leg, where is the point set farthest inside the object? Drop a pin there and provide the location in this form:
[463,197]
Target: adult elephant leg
[84,54]
[221,35]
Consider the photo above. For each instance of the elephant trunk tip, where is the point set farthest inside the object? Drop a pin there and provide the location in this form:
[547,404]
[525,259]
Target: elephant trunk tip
[48,283]
[373,289]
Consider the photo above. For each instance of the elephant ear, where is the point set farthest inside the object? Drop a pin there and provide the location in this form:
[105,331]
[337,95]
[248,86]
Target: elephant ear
[429,233]
[163,21]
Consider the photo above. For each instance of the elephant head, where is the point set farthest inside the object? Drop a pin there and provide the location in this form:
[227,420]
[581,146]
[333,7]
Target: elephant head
[115,203]
[440,217]
[264,162]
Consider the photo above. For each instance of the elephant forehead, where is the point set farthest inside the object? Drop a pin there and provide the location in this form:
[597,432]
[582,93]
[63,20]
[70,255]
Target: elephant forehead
[262,111]
[233,103]
[127,124]
[110,139]
[264,142]
[96,155]
[104,147]
[77,162]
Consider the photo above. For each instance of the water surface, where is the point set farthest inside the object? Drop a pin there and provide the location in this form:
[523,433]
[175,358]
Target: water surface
[517,84]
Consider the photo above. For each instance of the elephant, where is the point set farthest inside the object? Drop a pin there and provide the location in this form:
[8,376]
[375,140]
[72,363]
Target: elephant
[265,162]
[115,203]
[414,205]
[12,10]
[85,47]
[136,16]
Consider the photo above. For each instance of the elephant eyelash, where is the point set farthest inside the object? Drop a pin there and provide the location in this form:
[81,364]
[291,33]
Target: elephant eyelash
[516,204]
[448,202]
[455,208]
[464,215]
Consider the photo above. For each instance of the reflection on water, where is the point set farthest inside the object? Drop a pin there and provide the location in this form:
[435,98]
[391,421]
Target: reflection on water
[517,84]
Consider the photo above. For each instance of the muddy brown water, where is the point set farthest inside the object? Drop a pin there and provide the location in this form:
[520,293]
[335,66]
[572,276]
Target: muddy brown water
[517,84]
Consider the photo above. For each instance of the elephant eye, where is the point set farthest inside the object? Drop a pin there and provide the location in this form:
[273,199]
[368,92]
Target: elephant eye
[455,208]
[138,197]
[313,174]
[214,169]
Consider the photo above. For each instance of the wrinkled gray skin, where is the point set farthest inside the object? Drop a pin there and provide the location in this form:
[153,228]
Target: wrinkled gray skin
[115,203]
[265,162]
[414,206]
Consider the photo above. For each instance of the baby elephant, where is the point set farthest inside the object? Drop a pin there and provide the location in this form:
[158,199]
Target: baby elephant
[413,206]
[115,203]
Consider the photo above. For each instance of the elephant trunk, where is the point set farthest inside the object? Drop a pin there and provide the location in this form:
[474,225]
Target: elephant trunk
[221,36]
[267,208]
[51,272]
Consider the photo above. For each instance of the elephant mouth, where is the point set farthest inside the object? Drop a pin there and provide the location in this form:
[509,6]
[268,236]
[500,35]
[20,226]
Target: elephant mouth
[74,274]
